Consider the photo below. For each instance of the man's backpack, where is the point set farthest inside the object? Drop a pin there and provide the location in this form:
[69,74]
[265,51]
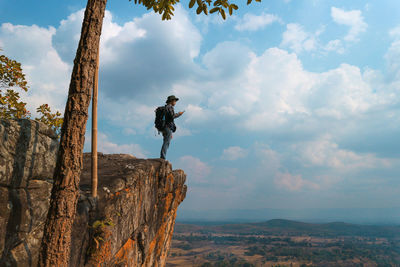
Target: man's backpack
[159,121]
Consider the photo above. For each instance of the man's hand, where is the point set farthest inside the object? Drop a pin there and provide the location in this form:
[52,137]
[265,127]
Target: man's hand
[181,112]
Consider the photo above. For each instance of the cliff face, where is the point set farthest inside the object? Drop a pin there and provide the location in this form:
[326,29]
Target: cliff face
[27,155]
[136,210]
[130,224]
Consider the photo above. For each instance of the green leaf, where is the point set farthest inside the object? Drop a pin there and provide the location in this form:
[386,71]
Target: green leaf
[97,224]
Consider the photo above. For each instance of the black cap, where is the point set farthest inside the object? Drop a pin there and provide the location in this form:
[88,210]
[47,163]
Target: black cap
[171,98]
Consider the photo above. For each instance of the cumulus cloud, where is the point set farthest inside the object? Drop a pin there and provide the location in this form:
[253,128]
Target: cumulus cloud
[395,32]
[195,114]
[278,89]
[226,59]
[105,145]
[252,22]
[232,84]
[335,45]
[270,159]
[273,91]
[46,73]
[267,95]
[158,54]
[134,62]
[297,39]
[273,166]
[66,38]
[392,57]
[196,169]
[234,153]
[353,19]
[132,114]
[293,182]
[325,152]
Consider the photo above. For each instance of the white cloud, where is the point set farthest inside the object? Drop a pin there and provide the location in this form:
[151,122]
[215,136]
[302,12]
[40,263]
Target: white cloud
[234,153]
[335,45]
[131,114]
[231,88]
[392,56]
[270,159]
[272,165]
[195,114]
[235,86]
[297,39]
[293,182]
[252,22]
[131,53]
[227,59]
[46,73]
[273,91]
[131,58]
[395,32]
[66,38]
[353,19]
[325,152]
[195,169]
[108,147]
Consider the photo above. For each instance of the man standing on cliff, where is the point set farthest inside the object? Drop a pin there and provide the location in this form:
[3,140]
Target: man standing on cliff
[170,126]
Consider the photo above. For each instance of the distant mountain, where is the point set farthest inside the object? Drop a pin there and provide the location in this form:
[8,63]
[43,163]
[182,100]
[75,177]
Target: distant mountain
[290,227]
[380,216]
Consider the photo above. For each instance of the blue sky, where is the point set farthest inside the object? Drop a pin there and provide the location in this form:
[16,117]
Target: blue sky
[289,104]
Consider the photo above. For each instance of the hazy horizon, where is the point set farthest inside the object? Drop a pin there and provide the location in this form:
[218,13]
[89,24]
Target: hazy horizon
[366,216]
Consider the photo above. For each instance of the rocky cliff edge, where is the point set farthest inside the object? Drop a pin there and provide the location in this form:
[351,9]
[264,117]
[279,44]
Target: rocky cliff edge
[130,223]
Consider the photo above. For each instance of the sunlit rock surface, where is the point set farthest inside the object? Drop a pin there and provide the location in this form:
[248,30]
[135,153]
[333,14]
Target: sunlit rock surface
[130,224]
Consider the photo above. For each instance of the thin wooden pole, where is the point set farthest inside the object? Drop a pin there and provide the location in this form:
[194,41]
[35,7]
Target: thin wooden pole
[94,127]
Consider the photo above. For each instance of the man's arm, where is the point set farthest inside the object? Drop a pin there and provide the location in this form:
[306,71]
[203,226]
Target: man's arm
[176,115]
[171,112]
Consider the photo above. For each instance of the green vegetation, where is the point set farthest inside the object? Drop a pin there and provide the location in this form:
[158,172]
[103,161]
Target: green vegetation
[228,263]
[326,246]
[11,107]
[166,8]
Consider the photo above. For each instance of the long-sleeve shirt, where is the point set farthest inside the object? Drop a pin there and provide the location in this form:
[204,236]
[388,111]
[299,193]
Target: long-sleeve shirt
[170,115]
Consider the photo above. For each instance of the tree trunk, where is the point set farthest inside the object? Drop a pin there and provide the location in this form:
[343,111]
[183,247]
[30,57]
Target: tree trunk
[55,248]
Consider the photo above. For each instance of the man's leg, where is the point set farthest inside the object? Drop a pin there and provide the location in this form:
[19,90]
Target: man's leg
[166,140]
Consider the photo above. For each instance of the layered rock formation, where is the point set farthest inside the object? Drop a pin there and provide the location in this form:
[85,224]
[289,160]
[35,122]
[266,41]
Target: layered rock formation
[136,211]
[27,156]
[130,224]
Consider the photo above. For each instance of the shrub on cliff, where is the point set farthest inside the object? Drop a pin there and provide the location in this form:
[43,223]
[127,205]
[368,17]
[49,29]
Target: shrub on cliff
[11,107]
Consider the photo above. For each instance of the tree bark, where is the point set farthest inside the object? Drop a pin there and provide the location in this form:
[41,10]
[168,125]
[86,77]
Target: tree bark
[55,247]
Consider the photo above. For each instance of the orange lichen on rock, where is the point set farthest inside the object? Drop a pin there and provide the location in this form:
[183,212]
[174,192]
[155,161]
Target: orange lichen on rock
[123,254]
[130,224]
[146,213]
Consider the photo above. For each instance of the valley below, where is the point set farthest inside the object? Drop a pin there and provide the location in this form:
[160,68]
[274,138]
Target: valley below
[281,242]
